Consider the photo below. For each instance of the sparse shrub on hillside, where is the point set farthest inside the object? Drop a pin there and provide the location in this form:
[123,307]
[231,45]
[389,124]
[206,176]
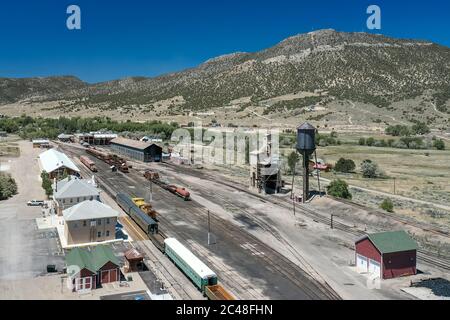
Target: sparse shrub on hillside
[387,205]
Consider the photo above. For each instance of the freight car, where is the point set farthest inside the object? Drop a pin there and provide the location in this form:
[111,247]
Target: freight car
[155,178]
[181,192]
[111,159]
[203,277]
[88,163]
[146,223]
[146,207]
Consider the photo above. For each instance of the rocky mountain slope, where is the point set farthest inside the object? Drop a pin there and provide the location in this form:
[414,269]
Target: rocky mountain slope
[320,67]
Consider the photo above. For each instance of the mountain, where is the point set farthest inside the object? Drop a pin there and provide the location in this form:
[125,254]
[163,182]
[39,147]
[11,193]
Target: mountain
[324,68]
[13,90]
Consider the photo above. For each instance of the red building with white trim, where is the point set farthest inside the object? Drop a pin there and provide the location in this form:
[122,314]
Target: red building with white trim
[387,254]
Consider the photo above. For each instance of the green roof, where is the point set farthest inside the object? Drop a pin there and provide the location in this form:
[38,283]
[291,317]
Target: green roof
[395,241]
[91,260]
[102,255]
[81,258]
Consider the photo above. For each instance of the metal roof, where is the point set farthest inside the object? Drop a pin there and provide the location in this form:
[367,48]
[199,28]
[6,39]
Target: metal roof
[188,257]
[392,241]
[90,209]
[91,260]
[306,126]
[140,145]
[74,188]
[52,160]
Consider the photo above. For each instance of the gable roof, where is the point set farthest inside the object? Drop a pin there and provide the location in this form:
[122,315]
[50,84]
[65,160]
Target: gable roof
[52,160]
[393,241]
[74,188]
[90,209]
[102,255]
[80,258]
[91,260]
[140,145]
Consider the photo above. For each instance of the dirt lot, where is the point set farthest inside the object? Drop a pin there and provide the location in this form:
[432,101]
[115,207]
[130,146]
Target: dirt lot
[24,251]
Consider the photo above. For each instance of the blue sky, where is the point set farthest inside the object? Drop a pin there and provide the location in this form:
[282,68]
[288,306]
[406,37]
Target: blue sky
[148,38]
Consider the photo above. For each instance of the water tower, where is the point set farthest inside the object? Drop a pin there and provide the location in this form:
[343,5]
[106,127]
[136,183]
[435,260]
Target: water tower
[306,145]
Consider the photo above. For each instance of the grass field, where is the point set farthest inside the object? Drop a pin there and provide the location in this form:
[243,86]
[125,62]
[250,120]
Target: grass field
[9,147]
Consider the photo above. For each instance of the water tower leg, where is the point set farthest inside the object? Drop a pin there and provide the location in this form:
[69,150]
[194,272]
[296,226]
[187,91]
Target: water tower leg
[305,178]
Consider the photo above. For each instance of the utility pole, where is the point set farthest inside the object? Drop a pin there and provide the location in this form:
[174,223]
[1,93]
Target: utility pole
[394,186]
[209,229]
[331,221]
[151,190]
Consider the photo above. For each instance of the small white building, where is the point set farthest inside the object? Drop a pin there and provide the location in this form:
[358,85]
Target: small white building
[89,221]
[71,191]
[56,164]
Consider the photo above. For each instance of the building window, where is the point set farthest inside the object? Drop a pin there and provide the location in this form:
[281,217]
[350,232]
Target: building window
[63,201]
[84,223]
[107,221]
[107,233]
[78,199]
[71,200]
[99,221]
[99,234]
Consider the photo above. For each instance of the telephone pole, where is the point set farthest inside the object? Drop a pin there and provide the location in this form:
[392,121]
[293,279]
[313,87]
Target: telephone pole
[209,229]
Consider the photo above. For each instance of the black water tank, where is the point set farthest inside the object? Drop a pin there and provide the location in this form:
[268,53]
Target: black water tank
[306,134]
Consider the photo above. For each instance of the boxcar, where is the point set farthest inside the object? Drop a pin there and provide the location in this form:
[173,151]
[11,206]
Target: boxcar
[192,266]
[145,222]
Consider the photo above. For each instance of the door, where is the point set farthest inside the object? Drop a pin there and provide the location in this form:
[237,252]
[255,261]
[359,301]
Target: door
[361,263]
[83,284]
[374,267]
[105,277]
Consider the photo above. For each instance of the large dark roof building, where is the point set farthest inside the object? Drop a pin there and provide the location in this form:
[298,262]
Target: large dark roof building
[387,254]
[138,150]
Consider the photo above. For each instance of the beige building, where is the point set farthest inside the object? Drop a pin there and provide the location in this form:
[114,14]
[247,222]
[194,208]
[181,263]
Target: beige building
[89,221]
[72,191]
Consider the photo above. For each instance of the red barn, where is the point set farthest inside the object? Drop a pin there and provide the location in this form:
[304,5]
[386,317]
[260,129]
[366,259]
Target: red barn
[389,254]
[90,269]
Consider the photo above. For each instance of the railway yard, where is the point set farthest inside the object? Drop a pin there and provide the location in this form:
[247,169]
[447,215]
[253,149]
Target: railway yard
[254,244]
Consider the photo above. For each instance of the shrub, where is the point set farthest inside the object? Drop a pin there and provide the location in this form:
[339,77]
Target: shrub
[370,141]
[339,189]
[8,186]
[370,169]
[439,144]
[362,141]
[387,205]
[345,165]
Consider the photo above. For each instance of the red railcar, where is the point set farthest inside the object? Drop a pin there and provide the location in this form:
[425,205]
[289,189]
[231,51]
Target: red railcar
[88,163]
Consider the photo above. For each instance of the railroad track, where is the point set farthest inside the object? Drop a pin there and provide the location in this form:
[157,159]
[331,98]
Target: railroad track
[137,234]
[309,286]
[423,255]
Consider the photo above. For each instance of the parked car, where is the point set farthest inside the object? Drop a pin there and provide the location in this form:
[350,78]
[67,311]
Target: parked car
[35,203]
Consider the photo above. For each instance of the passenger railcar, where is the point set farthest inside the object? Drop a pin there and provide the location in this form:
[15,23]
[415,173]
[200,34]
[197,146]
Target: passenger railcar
[193,267]
[146,223]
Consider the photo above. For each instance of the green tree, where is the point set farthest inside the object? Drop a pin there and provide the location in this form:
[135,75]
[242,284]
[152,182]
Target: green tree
[370,141]
[339,189]
[369,169]
[345,165]
[387,205]
[439,144]
[420,128]
[8,186]
[362,141]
